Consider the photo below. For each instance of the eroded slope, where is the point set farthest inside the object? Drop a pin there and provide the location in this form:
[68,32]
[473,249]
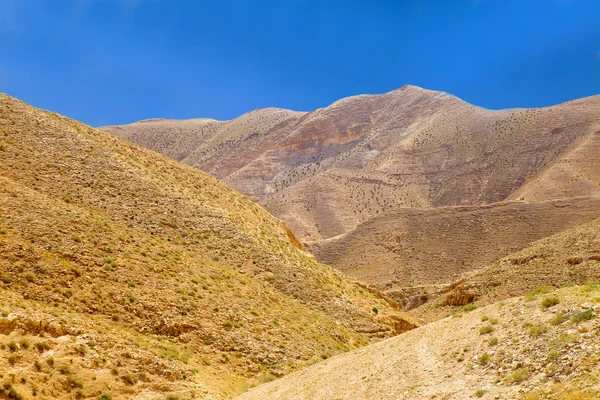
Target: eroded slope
[148,276]
[524,348]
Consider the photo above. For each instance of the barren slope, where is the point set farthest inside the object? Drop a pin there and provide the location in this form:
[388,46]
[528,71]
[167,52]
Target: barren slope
[173,138]
[542,347]
[569,257]
[125,272]
[407,148]
[351,174]
[413,254]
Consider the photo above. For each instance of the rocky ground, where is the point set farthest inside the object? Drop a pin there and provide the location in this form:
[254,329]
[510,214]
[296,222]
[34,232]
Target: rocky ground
[542,345]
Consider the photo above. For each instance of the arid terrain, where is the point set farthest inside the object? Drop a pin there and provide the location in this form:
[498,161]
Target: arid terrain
[126,274]
[458,253]
[407,190]
[541,346]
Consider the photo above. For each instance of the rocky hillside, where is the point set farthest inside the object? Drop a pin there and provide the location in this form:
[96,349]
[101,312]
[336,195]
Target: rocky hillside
[400,189]
[541,346]
[126,274]
[569,257]
[327,171]
[415,254]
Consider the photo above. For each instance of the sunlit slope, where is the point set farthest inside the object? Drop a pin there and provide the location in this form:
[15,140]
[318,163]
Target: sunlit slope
[167,279]
[537,347]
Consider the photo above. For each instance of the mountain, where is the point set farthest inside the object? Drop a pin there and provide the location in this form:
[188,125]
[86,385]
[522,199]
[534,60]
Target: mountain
[408,189]
[534,347]
[125,274]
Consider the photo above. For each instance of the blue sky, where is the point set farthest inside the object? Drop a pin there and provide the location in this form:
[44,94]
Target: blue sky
[117,61]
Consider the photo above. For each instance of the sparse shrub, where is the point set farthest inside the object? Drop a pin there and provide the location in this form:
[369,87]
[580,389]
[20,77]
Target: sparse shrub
[75,382]
[550,302]
[42,346]
[375,310]
[537,330]
[558,319]
[479,392]
[484,358]
[553,354]
[484,318]
[105,396]
[13,394]
[486,329]
[129,379]
[65,370]
[493,341]
[518,376]
[228,325]
[540,290]
[469,307]
[583,316]
[13,346]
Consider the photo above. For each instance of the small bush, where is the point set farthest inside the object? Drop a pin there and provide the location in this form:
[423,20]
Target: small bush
[554,354]
[518,375]
[42,346]
[493,341]
[65,370]
[550,302]
[75,382]
[13,394]
[479,392]
[539,290]
[486,329]
[583,316]
[375,310]
[469,307]
[484,358]
[537,330]
[558,319]
[129,379]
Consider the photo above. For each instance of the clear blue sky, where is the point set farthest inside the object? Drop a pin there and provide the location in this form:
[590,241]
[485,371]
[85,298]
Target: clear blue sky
[117,61]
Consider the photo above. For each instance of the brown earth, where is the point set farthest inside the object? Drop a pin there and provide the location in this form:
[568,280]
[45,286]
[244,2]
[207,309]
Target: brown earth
[327,171]
[378,185]
[414,254]
[566,258]
[125,273]
[540,347]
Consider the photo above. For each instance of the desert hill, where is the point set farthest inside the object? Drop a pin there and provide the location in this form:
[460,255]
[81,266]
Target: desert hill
[535,347]
[379,186]
[566,258]
[126,274]
[414,254]
[407,148]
